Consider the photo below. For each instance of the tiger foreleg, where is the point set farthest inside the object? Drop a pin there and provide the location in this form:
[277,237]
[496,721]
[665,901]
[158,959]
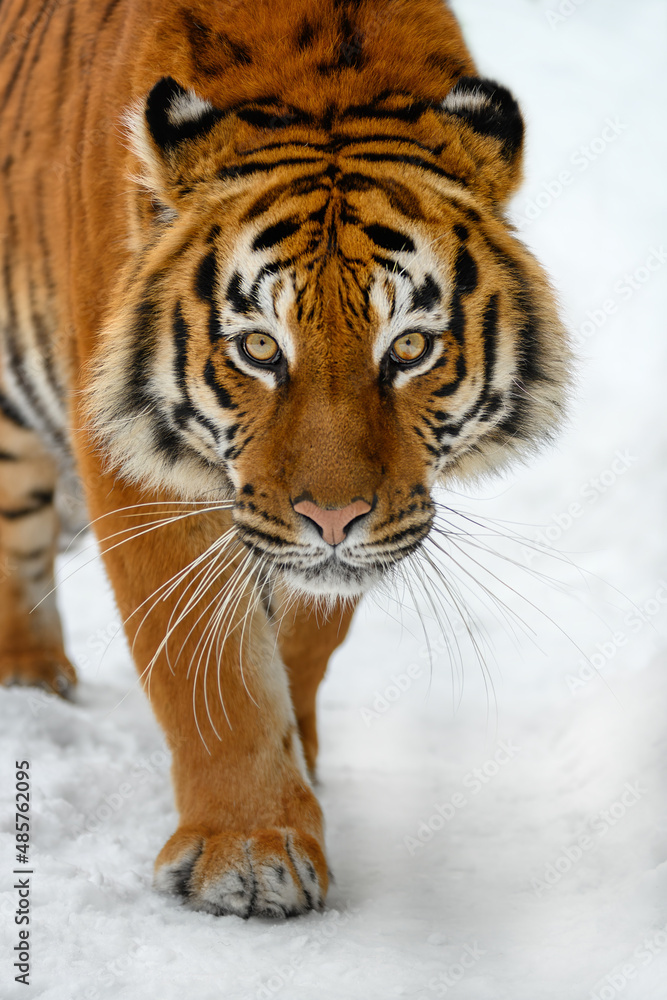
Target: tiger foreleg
[308,635]
[31,643]
[250,838]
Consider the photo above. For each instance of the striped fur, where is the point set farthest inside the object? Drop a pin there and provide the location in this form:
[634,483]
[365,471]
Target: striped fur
[332,176]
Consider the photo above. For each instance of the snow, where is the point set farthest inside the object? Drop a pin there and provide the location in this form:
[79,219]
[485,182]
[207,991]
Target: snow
[543,874]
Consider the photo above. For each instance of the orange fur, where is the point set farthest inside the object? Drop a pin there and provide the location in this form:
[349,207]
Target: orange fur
[130,205]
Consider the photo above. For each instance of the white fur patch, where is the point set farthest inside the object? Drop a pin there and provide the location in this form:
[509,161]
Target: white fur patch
[187,107]
[469,100]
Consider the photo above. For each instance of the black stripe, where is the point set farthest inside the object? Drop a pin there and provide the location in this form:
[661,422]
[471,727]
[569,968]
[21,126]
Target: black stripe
[11,37]
[15,74]
[26,556]
[9,411]
[465,271]
[268,198]
[108,13]
[16,362]
[465,282]
[388,263]
[239,301]
[401,198]
[273,267]
[81,125]
[28,73]
[305,33]
[205,284]
[410,113]
[390,239]
[223,397]
[144,338]
[206,276]
[338,142]
[412,161]
[185,412]
[181,335]
[410,531]
[275,234]
[166,440]
[275,119]
[490,337]
[529,333]
[234,452]
[42,239]
[43,339]
[42,499]
[256,533]
[6,457]
[63,63]
[427,295]
[236,170]
[450,388]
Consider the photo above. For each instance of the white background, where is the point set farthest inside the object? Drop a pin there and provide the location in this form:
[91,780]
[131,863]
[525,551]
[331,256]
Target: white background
[504,879]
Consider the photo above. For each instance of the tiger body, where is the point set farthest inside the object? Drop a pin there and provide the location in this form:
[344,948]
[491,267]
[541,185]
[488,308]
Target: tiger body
[256,273]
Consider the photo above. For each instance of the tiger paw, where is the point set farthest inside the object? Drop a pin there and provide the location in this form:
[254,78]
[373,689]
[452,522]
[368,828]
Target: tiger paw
[267,873]
[47,669]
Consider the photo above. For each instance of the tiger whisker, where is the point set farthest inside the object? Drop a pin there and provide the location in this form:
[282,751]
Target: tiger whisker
[209,633]
[211,558]
[135,534]
[459,605]
[192,601]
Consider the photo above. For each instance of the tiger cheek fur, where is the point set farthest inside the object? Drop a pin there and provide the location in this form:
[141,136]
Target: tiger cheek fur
[259,286]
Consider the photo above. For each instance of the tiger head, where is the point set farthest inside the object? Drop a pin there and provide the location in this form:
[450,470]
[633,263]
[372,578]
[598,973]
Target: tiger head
[325,317]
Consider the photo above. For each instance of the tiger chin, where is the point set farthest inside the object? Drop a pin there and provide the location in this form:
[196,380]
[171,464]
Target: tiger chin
[260,291]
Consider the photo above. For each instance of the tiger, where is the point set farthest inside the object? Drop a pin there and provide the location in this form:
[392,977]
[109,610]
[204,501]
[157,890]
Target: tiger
[260,296]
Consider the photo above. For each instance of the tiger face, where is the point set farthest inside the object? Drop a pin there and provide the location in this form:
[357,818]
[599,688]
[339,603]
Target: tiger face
[326,318]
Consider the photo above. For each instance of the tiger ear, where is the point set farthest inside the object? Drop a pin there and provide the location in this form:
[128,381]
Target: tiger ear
[162,129]
[175,115]
[492,131]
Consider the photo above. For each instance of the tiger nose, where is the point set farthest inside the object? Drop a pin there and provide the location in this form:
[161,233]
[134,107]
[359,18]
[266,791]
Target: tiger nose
[332,522]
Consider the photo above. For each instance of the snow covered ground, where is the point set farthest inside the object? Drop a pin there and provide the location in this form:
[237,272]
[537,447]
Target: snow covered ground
[497,817]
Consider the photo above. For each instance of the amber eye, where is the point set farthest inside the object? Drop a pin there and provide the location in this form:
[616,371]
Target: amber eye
[409,348]
[261,347]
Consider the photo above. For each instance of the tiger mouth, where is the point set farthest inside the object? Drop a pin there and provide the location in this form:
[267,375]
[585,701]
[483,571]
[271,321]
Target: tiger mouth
[348,569]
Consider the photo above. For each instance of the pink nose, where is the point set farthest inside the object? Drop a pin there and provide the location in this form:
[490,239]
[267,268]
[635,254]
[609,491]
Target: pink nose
[332,522]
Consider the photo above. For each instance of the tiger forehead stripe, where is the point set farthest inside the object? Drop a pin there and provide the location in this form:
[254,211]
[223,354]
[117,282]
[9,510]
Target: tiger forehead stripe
[274,234]
[390,239]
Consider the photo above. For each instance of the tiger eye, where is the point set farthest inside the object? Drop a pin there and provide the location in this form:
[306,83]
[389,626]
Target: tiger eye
[410,347]
[261,347]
